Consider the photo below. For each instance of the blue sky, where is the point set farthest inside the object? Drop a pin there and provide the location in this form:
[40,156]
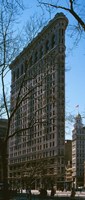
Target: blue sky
[75,81]
[75,75]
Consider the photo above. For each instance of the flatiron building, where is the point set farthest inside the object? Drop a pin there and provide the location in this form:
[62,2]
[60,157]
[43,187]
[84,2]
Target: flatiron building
[38,80]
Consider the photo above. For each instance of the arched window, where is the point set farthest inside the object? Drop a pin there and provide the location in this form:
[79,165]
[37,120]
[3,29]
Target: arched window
[47,45]
[17,73]
[35,58]
[30,61]
[41,51]
[61,35]
[53,41]
[13,76]
[26,65]
[21,69]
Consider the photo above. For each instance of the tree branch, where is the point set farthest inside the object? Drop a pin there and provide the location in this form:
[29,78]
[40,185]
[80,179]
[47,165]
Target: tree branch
[70,10]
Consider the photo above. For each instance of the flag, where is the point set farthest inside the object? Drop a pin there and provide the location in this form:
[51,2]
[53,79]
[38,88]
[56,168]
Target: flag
[77,106]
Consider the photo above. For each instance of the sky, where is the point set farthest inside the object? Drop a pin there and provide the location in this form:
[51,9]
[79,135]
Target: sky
[75,65]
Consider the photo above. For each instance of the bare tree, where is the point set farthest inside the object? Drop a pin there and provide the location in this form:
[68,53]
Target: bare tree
[9,10]
[71,6]
[31,172]
[33,26]
[9,49]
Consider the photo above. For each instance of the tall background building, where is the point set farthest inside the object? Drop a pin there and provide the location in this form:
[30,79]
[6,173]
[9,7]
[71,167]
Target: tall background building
[36,154]
[78,151]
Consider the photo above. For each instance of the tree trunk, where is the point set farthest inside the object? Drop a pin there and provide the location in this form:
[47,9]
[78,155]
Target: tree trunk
[4,157]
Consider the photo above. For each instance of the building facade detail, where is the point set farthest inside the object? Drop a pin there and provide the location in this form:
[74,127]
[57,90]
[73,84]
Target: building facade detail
[38,77]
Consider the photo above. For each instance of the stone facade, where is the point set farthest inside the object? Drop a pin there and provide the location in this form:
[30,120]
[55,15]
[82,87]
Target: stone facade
[38,81]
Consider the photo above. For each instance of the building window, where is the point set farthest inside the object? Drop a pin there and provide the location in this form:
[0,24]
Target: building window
[41,51]
[17,73]
[61,34]
[13,76]
[53,41]
[21,69]
[26,65]
[47,45]
[30,61]
[35,58]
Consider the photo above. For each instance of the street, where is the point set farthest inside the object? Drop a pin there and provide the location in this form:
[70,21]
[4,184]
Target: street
[68,193]
[59,195]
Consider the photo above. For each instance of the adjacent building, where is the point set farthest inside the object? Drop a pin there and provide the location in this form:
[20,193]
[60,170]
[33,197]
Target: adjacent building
[84,174]
[78,151]
[69,176]
[68,165]
[37,149]
[68,151]
[3,129]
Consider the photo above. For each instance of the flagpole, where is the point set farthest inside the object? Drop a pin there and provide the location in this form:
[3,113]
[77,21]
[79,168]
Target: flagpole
[77,107]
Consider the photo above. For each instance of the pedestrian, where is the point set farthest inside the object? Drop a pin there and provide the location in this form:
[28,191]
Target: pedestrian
[52,191]
[29,194]
[73,192]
